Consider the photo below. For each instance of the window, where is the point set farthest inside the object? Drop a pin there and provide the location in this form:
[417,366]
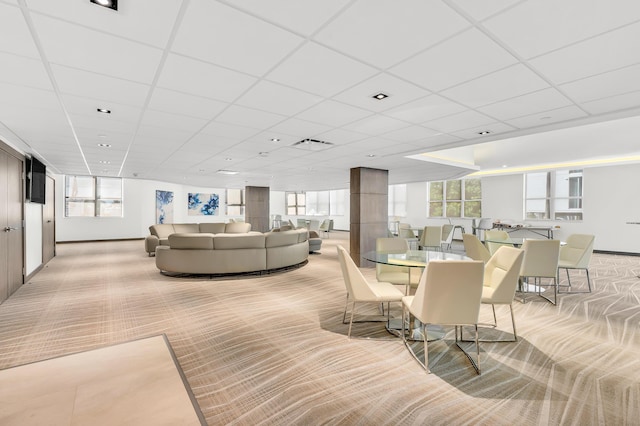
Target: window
[397,200]
[556,195]
[89,196]
[455,198]
[317,203]
[296,204]
[337,202]
[234,202]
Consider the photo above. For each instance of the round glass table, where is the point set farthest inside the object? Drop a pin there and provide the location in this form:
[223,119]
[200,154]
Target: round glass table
[413,259]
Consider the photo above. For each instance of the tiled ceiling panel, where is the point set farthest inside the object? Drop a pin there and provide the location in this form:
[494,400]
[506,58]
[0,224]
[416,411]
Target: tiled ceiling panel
[211,80]
[241,42]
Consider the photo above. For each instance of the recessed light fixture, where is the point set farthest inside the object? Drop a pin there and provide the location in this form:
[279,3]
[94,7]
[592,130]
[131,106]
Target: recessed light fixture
[380,96]
[104,145]
[504,166]
[371,155]
[227,172]
[111,4]
[263,154]
[228,159]
[484,132]
[104,110]
[104,162]
[275,140]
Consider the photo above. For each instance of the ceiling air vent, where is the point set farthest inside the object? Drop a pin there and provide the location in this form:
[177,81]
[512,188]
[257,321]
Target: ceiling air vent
[312,145]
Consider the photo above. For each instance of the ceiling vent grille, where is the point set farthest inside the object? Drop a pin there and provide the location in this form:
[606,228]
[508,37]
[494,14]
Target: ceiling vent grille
[312,145]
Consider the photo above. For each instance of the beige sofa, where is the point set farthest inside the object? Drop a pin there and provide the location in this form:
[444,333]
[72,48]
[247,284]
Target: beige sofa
[208,253]
[159,233]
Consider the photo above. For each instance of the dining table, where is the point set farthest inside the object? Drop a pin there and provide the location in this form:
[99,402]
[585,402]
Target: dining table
[417,260]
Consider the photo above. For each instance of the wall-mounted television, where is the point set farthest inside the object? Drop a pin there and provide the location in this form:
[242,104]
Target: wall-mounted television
[36,181]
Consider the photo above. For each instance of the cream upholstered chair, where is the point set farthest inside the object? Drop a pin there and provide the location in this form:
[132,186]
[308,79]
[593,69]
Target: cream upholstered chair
[474,248]
[540,261]
[399,275]
[447,235]
[576,254]
[493,235]
[449,293]
[326,226]
[361,290]
[405,231]
[501,274]
[301,223]
[314,225]
[431,238]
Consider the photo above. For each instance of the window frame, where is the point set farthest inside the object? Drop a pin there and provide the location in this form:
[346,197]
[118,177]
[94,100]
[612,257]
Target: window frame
[229,206]
[96,199]
[552,200]
[445,200]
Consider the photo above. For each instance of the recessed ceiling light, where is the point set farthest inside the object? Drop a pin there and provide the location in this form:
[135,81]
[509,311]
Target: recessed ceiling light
[104,145]
[263,154]
[111,4]
[275,140]
[104,111]
[504,166]
[227,172]
[228,159]
[380,96]
[484,132]
[371,155]
[104,162]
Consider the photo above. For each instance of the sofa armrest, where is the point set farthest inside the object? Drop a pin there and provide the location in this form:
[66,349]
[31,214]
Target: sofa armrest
[150,244]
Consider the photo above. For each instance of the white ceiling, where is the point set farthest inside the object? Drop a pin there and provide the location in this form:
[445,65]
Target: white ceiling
[196,86]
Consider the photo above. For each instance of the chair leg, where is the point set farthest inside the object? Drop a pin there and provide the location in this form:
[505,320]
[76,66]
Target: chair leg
[555,292]
[426,349]
[569,282]
[475,363]
[513,323]
[353,308]
[495,320]
[344,315]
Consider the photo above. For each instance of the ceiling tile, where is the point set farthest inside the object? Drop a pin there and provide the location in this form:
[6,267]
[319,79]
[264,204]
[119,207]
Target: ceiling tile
[23,71]
[99,87]
[376,125]
[364,31]
[219,34]
[249,117]
[474,132]
[333,113]
[172,121]
[14,33]
[613,50]
[614,103]
[318,70]
[289,13]
[411,134]
[398,91]
[460,121]
[130,21]
[604,85]
[504,84]
[103,124]
[459,59]
[202,79]
[302,129]
[533,28]
[230,131]
[276,98]
[481,10]
[87,107]
[425,109]
[79,47]
[184,104]
[341,136]
[27,96]
[545,118]
[528,104]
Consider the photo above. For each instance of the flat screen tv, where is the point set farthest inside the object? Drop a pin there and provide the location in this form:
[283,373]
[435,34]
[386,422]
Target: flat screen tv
[36,181]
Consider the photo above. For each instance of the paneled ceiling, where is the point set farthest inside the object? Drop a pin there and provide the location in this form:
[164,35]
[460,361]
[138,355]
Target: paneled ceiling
[199,86]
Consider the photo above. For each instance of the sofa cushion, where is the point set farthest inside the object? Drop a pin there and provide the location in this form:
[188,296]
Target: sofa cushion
[213,228]
[161,230]
[193,241]
[183,228]
[282,238]
[237,241]
[237,228]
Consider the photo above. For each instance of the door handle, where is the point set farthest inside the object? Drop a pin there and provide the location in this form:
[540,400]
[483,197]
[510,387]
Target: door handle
[10,228]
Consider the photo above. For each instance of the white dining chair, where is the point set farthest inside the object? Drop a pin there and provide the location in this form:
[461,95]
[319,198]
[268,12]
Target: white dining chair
[541,263]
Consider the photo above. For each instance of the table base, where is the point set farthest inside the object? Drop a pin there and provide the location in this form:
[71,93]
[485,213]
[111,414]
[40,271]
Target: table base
[434,331]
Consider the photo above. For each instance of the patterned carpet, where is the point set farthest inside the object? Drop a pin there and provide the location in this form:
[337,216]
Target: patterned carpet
[273,350]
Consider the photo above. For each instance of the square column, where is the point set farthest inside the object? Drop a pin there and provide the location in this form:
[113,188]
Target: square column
[369,211]
[256,207]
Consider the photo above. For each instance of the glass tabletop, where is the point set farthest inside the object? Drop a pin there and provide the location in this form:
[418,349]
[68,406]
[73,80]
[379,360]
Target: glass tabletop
[411,258]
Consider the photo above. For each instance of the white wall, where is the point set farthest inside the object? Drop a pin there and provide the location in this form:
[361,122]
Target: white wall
[610,200]
[33,236]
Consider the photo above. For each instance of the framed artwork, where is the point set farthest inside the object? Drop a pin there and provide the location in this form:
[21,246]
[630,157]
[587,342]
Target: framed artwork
[164,206]
[200,204]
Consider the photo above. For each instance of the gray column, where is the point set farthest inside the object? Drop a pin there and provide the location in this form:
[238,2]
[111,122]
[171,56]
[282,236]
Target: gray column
[256,207]
[369,211]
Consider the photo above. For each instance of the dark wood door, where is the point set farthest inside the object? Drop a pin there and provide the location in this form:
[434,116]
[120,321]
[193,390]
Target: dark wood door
[11,228]
[49,223]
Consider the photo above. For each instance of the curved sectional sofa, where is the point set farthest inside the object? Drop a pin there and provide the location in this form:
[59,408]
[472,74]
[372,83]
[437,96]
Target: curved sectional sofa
[159,233]
[231,253]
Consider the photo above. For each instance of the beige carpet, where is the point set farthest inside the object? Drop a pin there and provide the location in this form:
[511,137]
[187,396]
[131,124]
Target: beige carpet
[273,350]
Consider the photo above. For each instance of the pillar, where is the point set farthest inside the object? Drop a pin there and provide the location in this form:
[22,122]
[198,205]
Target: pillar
[256,207]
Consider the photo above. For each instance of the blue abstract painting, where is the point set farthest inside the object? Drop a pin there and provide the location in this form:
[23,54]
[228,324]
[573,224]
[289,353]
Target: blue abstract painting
[164,206]
[203,204]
